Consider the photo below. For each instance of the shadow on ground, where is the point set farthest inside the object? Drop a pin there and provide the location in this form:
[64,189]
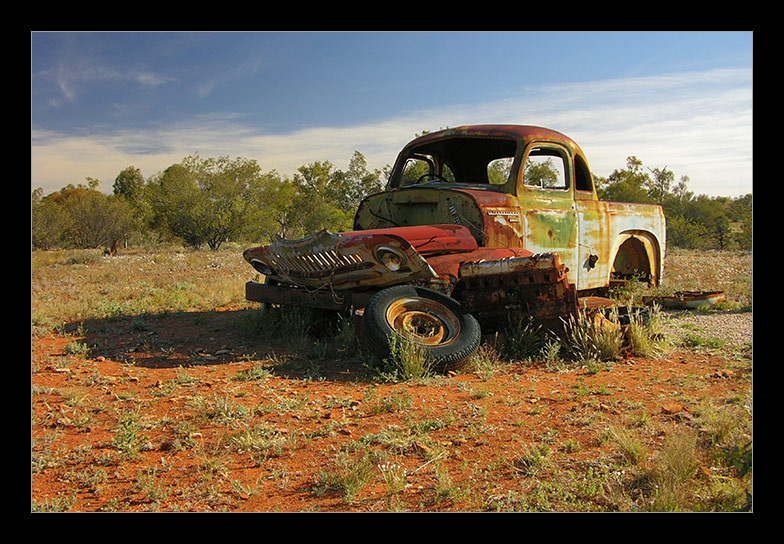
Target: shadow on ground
[212,338]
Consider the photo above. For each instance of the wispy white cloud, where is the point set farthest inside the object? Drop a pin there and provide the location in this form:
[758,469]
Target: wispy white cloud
[695,124]
[72,77]
[242,70]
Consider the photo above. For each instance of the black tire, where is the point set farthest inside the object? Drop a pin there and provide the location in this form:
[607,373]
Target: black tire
[445,330]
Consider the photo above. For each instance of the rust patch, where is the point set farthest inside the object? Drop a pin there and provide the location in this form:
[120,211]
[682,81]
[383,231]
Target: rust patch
[503,291]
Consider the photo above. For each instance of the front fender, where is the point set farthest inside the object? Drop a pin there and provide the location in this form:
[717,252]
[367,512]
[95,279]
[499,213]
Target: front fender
[359,259]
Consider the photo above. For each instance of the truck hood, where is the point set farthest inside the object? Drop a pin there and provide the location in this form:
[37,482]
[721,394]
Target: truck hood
[426,239]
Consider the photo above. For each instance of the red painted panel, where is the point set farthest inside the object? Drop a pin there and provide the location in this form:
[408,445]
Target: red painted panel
[426,239]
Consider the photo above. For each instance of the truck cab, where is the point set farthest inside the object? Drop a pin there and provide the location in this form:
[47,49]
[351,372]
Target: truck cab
[523,187]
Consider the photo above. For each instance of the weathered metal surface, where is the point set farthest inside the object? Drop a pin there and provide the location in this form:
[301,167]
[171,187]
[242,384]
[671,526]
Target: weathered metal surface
[590,303]
[688,299]
[421,207]
[295,296]
[425,239]
[449,265]
[500,292]
[336,262]
[534,266]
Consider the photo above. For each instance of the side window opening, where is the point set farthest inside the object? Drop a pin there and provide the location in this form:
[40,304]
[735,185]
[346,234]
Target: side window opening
[545,168]
[582,177]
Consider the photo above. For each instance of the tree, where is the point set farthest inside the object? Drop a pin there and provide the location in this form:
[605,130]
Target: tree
[659,186]
[178,206]
[227,184]
[129,186]
[682,232]
[129,183]
[361,182]
[319,201]
[205,200]
[629,185]
[692,221]
[318,197]
[48,222]
[741,212]
[273,213]
[87,218]
[327,198]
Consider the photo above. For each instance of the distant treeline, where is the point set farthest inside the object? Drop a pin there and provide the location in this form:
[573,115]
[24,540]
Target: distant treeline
[206,202]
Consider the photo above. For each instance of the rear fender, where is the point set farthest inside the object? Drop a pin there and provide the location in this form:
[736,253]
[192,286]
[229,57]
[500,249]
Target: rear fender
[636,253]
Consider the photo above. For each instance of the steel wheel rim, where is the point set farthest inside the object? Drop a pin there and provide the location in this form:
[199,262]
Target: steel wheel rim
[423,321]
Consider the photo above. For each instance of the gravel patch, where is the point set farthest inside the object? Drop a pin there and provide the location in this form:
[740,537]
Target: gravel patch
[735,328]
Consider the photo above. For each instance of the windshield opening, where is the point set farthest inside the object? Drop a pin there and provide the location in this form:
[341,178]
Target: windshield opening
[475,161]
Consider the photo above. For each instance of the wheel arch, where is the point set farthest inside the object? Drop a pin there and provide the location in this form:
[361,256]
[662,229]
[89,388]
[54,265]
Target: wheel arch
[637,253]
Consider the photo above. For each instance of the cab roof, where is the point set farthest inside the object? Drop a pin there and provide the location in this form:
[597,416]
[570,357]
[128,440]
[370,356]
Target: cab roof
[516,132]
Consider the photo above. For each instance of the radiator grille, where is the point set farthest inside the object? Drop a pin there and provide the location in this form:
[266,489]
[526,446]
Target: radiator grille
[313,263]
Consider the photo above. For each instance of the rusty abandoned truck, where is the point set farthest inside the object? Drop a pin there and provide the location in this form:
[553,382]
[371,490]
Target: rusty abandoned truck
[479,226]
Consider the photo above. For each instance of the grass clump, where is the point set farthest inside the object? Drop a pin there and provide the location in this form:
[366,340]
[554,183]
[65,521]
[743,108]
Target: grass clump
[629,448]
[690,472]
[393,402]
[261,441]
[598,337]
[346,478]
[644,333]
[257,372]
[523,340]
[667,484]
[128,439]
[593,337]
[406,361]
[530,460]
[695,341]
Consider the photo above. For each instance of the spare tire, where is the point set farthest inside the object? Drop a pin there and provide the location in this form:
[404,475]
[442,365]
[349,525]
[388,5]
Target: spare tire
[445,330]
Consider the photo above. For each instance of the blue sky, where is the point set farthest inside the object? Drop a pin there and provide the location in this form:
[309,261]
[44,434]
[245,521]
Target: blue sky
[103,101]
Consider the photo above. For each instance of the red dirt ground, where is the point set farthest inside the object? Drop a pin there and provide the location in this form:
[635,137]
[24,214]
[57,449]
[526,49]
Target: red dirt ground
[175,373]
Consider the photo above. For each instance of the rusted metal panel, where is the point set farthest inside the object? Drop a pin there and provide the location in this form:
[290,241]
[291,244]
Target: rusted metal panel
[426,239]
[294,296]
[545,265]
[501,292]
[688,299]
[450,264]
[421,206]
